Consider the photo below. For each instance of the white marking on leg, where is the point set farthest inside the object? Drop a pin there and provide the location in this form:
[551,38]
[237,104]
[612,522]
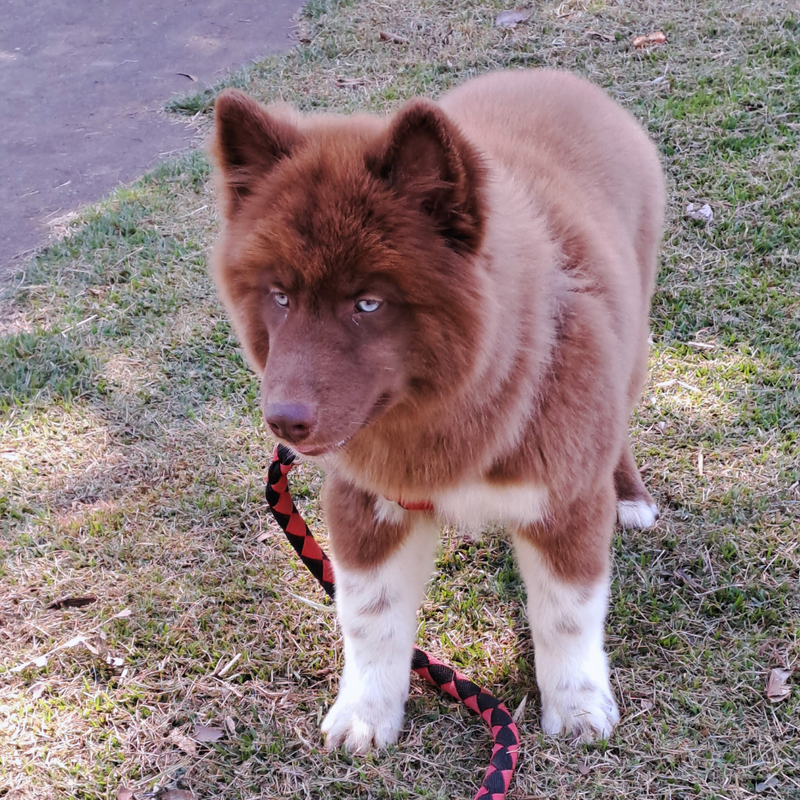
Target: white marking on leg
[567,623]
[377,611]
[637,514]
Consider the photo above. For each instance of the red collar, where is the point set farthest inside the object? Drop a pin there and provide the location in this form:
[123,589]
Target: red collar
[423,505]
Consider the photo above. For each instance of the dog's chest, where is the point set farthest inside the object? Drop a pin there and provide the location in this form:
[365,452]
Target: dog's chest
[476,503]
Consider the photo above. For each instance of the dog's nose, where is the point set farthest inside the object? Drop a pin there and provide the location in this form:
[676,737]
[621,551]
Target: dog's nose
[291,422]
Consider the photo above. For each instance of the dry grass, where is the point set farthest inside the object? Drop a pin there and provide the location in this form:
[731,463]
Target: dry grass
[131,454]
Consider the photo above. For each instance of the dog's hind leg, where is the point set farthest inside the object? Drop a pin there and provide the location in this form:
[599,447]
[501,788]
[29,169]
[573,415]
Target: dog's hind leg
[382,558]
[635,506]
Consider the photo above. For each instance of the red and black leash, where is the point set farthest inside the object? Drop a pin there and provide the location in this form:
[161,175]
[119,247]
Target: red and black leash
[504,732]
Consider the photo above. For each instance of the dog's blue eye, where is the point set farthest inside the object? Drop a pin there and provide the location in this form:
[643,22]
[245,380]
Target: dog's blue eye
[281,299]
[368,305]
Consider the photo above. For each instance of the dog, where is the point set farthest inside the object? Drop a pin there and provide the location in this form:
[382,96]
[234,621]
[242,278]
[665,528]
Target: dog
[448,308]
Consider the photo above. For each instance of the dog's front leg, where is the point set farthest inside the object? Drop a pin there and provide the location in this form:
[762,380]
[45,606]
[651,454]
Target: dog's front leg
[382,558]
[564,562]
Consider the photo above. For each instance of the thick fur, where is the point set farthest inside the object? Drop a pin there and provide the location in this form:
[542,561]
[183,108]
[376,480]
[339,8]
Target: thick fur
[456,299]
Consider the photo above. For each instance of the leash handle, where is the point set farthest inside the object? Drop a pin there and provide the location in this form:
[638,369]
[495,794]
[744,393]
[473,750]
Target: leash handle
[505,752]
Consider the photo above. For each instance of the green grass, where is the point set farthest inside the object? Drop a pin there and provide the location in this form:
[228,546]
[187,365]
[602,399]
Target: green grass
[132,450]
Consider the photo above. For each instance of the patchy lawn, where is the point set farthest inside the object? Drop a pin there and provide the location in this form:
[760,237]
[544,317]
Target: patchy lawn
[132,455]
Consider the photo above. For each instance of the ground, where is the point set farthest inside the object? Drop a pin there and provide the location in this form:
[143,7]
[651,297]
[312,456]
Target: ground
[132,454]
[83,90]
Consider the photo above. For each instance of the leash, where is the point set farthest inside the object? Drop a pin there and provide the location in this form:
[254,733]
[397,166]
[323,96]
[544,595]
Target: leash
[504,732]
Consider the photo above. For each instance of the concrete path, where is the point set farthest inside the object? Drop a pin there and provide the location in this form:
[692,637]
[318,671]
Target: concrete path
[82,85]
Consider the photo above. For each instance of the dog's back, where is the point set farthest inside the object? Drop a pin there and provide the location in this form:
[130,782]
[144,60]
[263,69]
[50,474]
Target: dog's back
[590,169]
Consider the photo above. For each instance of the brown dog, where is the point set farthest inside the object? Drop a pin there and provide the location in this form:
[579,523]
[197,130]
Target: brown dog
[449,311]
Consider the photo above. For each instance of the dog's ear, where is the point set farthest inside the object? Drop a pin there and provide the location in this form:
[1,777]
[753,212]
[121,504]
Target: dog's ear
[428,160]
[248,142]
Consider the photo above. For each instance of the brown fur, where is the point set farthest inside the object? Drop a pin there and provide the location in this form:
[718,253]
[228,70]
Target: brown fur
[512,231]
[356,537]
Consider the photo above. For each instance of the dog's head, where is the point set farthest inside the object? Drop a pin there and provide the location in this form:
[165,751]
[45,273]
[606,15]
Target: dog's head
[347,261]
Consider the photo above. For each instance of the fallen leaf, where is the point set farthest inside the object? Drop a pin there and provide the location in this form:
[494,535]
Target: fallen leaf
[73,602]
[510,19]
[230,724]
[650,39]
[393,38]
[37,690]
[777,685]
[608,37]
[97,646]
[95,651]
[701,213]
[203,733]
[520,709]
[177,794]
[126,612]
[769,783]
[584,768]
[183,742]
[124,794]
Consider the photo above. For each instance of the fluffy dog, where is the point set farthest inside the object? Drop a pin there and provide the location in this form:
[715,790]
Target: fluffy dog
[448,309]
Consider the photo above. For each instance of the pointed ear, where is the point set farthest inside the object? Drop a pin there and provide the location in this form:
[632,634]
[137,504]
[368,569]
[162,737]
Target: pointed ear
[247,143]
[429,161]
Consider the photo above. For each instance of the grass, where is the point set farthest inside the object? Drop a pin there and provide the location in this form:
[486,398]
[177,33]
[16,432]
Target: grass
[131,456]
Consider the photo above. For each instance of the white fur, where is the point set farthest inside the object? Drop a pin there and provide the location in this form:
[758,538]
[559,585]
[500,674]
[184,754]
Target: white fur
[638,514]
[377,611]
[566,623]
[388,511]
[474,504]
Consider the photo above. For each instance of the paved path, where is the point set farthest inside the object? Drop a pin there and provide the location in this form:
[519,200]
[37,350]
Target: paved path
[82,85]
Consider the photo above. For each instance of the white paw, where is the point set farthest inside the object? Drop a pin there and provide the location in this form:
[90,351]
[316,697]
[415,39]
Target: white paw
[359,725]
[637,514]
[585,710]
